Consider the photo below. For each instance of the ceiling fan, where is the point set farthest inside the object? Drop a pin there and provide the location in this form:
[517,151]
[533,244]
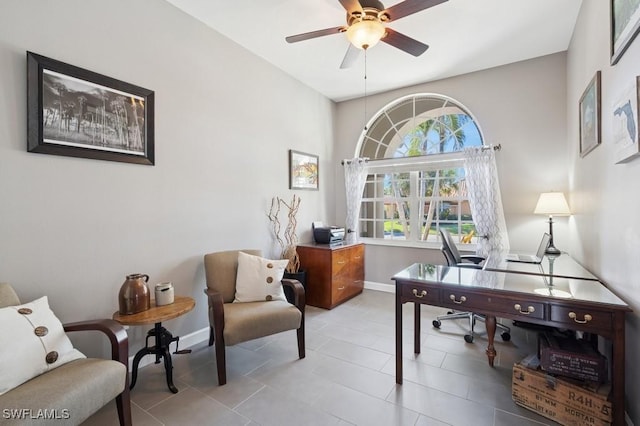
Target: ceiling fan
[366,21]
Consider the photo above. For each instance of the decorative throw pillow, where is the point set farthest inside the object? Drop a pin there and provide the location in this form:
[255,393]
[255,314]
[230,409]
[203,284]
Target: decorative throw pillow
[259,279]
[32,342]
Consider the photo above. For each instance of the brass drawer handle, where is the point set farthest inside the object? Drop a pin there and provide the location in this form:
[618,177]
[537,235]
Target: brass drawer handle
[422,294]
[453,298]
[587,318]
[341,288]
[342,262]
[530,309]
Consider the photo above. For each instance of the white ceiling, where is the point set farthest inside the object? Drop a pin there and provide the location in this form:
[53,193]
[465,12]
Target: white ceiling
[463,35]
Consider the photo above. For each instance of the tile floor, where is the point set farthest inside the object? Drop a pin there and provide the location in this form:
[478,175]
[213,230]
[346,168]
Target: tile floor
[347,377]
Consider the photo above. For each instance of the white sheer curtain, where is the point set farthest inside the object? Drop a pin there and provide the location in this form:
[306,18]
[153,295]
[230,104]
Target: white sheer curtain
[485,201]
[355,176]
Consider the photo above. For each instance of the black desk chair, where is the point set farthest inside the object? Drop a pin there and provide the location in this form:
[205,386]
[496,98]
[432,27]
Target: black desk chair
[454,258]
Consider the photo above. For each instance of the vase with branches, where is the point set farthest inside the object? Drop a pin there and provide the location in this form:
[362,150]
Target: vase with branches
[288,239]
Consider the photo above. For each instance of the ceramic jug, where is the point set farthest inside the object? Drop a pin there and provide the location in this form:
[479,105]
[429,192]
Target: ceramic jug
[134,294]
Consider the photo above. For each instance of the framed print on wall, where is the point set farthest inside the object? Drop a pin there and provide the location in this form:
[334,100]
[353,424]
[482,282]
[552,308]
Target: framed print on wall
[625,24]
[303,170]
[590,116]
[624,124]
[79,113]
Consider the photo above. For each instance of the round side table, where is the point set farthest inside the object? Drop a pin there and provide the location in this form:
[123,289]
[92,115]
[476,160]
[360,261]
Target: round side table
[162,337]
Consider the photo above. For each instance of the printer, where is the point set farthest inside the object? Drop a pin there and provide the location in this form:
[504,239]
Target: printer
[327,234]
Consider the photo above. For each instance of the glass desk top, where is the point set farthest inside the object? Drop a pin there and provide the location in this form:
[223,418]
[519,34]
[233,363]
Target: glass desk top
[557,266]
[553,287]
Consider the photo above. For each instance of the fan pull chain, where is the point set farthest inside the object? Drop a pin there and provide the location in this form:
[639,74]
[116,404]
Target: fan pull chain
[365,90]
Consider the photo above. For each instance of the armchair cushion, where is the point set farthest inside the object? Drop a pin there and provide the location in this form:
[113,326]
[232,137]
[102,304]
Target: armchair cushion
[32,342]
[247,321]
[77,390]
[259,279]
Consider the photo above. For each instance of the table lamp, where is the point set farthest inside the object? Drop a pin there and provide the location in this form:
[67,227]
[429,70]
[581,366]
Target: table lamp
[553,204]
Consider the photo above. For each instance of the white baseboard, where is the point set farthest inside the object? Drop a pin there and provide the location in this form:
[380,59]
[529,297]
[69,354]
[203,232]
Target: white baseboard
[372,285]
[186,342]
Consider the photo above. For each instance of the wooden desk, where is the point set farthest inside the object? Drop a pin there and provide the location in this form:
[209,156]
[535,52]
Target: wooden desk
[577,304]
[162,338]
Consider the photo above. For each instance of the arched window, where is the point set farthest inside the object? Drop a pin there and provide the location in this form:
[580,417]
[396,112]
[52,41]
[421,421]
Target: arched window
[416,180]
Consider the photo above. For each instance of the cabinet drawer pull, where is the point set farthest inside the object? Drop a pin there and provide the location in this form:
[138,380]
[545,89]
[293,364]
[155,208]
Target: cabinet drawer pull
[453,298]
[422,294]
[530,309]
[587,318]
[341,288]
[342,262]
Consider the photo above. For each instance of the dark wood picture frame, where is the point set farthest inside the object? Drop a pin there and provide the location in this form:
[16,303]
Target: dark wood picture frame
[625,25]
[303,171]
[75,112]
[590,116]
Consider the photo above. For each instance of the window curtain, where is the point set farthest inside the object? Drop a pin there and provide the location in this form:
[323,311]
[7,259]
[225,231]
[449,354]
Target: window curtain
[485,201]
[355,176]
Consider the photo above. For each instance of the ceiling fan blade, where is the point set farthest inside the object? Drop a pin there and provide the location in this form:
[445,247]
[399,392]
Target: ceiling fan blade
[402,42]
[409,7]
[353,53]
[313,34]
[351,6]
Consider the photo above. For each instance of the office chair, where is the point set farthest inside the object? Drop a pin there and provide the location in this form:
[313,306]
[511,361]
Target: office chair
[454,258]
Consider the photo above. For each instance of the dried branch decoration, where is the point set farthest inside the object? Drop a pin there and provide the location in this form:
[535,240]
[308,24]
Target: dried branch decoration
[288,245]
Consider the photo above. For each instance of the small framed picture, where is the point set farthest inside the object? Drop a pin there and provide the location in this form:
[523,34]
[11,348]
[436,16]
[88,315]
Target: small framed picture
[590,116]
[75,112]
[624,123]
[303,170]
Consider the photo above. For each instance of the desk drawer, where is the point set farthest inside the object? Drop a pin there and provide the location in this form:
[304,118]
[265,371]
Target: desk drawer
[585,318]
[494,304]
[521,308]
[339,261]
[420,294]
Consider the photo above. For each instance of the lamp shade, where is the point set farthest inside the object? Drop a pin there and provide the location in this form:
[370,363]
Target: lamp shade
[552,203]
[365,34]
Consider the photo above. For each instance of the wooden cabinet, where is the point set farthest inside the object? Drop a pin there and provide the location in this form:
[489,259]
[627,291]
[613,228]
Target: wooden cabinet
[335,273]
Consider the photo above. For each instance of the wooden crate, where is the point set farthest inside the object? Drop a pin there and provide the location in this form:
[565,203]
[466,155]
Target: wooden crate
[566,401]
[571,357]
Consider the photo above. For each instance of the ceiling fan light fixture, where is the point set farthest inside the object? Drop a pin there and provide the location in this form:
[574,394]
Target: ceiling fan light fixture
[366,33]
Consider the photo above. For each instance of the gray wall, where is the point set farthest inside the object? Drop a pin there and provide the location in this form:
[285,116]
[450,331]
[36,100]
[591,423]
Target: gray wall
[520,106]
[604,196]
[73,228]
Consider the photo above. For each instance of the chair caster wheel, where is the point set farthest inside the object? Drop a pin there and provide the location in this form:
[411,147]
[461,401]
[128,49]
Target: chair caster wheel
[449,312]
[436,323]
[468,338]
[505,336]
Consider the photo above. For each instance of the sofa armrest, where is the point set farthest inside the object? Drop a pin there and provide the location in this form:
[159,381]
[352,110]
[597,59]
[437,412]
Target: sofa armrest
[298,292]
[113,330]
[119,352]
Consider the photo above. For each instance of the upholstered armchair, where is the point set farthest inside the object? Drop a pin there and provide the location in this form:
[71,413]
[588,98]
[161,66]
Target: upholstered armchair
[72,391]
[232,323]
